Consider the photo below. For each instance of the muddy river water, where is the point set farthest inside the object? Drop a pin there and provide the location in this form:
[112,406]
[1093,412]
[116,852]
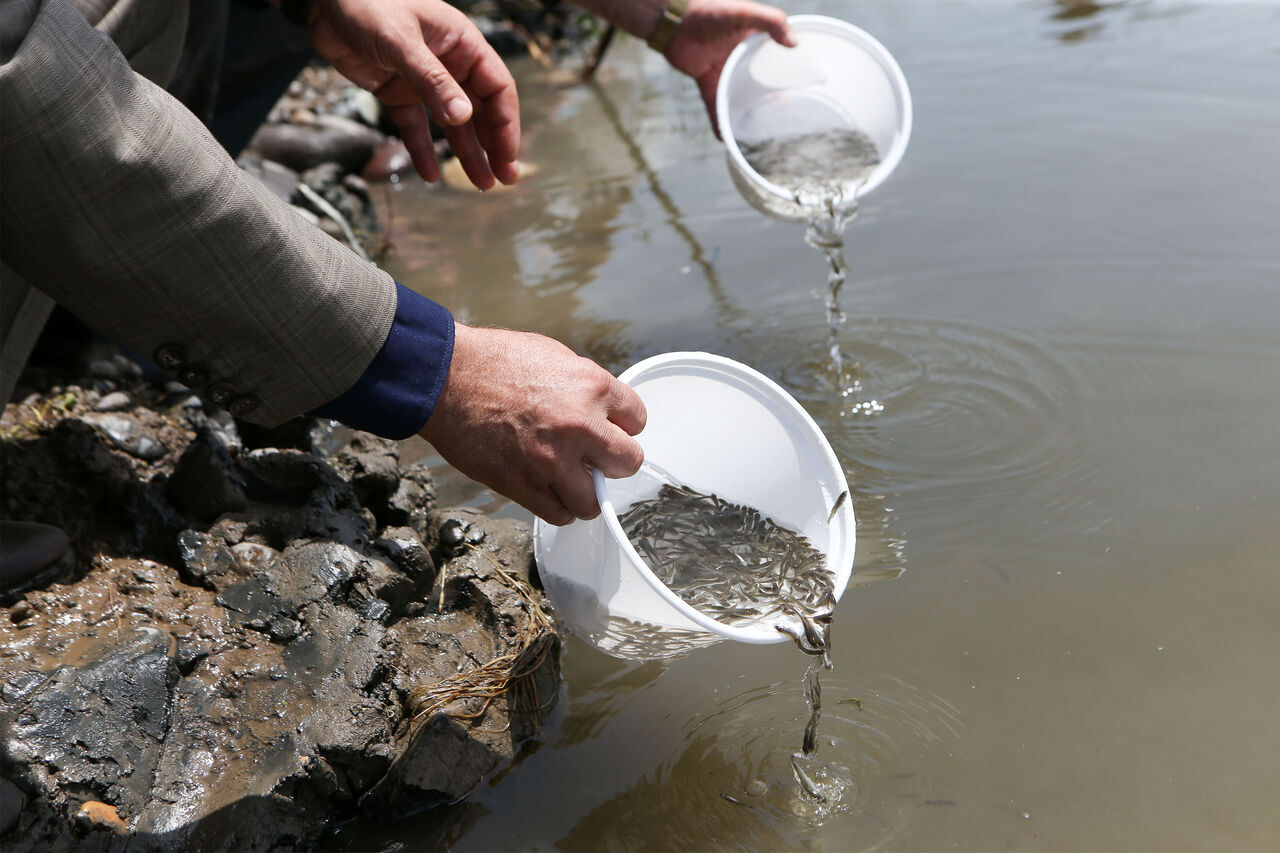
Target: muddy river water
[1059,414]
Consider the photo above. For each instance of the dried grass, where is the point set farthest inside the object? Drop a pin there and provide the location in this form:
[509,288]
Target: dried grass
[511,675]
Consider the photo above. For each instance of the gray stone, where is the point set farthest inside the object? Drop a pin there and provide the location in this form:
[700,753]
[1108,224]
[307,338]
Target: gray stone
[128,435]
[208,562]
[114,402]
[99,725]
[103,368]
[330,139]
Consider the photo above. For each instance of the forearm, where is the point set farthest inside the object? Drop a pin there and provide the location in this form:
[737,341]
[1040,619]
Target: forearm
[118,203]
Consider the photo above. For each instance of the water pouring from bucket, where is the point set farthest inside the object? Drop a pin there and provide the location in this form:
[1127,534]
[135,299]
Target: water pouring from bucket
[814,125]
[723,429]
[810,129]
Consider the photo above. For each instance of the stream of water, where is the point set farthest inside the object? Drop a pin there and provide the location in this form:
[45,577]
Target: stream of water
[1057,412]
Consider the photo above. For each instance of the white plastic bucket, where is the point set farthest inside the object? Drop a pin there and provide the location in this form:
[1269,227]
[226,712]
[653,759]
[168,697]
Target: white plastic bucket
[719,427]
[837,77]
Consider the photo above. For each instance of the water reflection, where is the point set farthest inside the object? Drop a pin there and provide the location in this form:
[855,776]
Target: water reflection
[528,251]
[729,315]
[1074,11]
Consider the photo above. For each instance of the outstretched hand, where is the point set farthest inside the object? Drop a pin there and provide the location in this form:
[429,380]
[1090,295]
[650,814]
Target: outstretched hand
[527,417]
[711,29]
[420,55]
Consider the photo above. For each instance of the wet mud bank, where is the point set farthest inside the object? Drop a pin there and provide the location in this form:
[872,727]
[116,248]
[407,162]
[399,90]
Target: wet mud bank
[254,635]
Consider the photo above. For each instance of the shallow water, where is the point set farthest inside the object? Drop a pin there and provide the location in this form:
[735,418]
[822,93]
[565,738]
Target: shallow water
[1059,414]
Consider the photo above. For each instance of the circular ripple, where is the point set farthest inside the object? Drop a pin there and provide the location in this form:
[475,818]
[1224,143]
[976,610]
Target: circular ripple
[941,406]
[733,784]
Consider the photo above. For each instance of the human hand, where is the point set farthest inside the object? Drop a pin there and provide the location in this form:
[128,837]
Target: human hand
[711,29]
[527,417]
[413,54]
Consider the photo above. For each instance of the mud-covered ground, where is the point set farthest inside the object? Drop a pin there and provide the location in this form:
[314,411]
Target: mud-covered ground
[255,633]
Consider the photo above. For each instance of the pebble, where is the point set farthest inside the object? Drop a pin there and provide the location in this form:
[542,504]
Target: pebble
[453,533]
[126,367]
[114,402]
[20,612]
[251,556]
[129,438]
[757,788]
[389,160]
[103,369]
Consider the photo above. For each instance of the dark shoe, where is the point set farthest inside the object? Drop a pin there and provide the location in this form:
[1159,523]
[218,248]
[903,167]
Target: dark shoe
[27,548]
[11,804]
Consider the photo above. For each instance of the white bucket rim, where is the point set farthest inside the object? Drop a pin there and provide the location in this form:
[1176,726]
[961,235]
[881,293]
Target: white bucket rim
[840,565]
[816,23]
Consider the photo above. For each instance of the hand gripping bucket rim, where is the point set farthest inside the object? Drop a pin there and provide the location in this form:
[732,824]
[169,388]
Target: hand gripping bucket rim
[857,37]
[839,558]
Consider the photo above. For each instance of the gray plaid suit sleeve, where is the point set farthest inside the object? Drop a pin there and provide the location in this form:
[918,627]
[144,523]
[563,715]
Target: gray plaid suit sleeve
[118,203]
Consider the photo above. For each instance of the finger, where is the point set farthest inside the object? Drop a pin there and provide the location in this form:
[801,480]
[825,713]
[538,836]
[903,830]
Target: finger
[625,408]
[617,454]
[484,75]
[415,132]
[507,172]
[466,147]
[441,94]
[707,86]
[577,491]
[774,21]
[551,509]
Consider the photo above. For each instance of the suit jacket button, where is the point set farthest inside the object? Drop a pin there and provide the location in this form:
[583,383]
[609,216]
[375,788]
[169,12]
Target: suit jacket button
[221,393]
[170,356]
[241,406]
[192,377]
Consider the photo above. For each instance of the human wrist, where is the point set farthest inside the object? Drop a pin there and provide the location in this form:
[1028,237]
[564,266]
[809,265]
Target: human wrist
[640,18]
[668,22]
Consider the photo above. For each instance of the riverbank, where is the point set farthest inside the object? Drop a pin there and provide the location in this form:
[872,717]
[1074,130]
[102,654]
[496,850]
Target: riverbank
[254,633]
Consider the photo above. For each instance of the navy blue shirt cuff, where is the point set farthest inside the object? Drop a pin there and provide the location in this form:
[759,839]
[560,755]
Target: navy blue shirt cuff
[398,391]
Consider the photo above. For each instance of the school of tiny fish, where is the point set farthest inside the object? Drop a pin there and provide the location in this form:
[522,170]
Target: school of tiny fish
[733,564]
[737,566]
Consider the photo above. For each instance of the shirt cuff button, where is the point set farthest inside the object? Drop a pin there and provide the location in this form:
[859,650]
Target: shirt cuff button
[221,393]
[241,406]
[170,357]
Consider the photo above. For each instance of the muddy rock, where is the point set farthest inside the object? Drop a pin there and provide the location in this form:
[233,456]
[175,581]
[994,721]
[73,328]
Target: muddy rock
[205,481]
[327,139]
[250,643]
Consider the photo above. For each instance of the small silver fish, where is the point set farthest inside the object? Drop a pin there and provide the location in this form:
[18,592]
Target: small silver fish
[805,782]
[839,503]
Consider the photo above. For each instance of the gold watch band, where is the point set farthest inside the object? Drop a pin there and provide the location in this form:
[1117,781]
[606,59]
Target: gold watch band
[672,15]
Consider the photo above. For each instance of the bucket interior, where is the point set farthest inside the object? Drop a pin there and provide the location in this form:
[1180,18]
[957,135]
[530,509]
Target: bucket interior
[836,78]
[721,428]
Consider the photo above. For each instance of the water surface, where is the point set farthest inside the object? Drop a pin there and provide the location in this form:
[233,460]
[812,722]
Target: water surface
[1058,410]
